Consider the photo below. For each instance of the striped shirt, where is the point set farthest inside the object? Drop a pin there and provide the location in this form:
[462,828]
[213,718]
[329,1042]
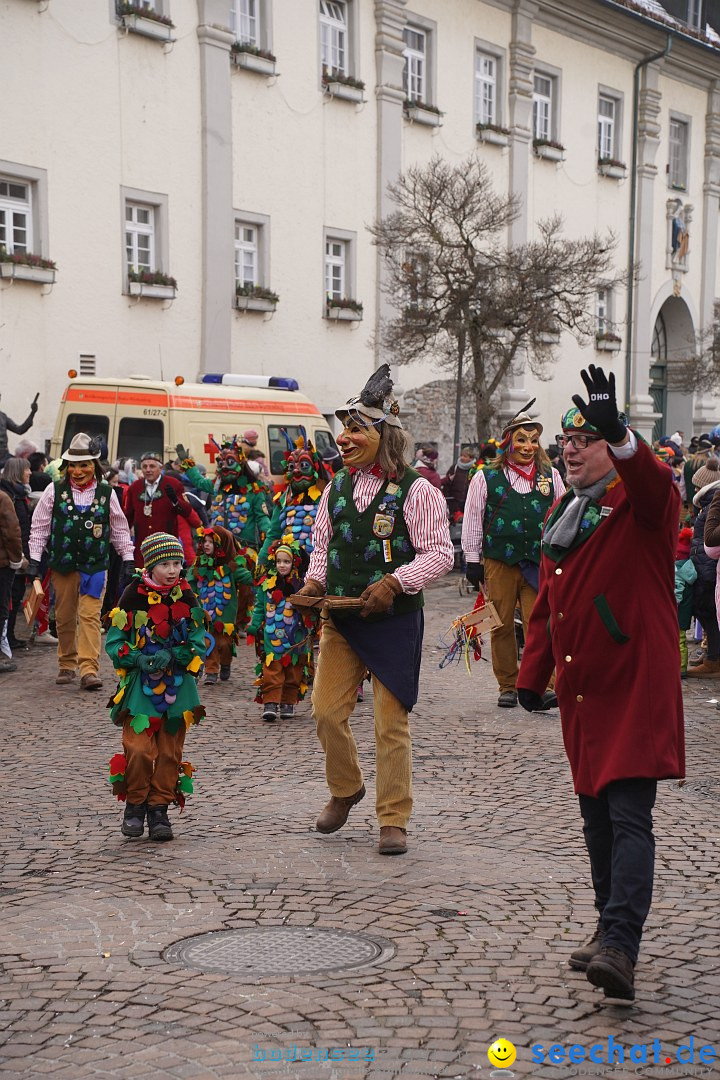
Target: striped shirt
[82,497]
[472,529]
[425,513]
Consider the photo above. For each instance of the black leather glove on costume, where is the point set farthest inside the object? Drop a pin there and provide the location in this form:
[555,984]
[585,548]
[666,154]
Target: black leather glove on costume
[530,701]
[128,569]
[171,494]
[33,570]
[182,452]
[475,573]
[601,409]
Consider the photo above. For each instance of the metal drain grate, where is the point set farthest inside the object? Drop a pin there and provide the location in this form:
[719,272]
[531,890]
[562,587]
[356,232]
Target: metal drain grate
[278,950]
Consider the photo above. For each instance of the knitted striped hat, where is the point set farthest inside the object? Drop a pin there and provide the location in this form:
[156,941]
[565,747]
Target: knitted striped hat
[160,547]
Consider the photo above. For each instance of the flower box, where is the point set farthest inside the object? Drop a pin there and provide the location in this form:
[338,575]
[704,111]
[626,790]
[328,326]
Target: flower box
[607,343]
[147,27]
[493,134]
[615,170]
[261,300]
[19,271]
[254,60]
[550,151]
[420,113]
[548,337]
[350,311]
[345,91]
[150,291]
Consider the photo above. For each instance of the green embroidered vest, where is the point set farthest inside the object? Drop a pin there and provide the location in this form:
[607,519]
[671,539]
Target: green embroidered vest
[80,539]
[513,522]
[367,545]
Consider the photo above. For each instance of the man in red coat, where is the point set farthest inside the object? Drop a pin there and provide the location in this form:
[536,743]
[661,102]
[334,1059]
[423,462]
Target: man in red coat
[606,619]
[158,504]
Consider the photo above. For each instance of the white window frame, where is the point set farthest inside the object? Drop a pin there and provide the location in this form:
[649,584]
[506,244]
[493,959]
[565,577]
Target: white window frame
[159,7]
[160,233]
[348,242]
[425,62]
[246,21]
[543,105]
[335,37]
[678,172]
[610,127]
[487,87]
[13,206]
[35,207]
[336,259]
[695,14]
[604,302]
[246,219]
[136,231]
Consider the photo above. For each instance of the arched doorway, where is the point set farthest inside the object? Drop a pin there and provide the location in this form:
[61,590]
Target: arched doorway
[673,340]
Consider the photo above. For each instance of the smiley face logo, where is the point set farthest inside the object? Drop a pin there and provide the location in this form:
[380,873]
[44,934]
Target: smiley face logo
[501,1054]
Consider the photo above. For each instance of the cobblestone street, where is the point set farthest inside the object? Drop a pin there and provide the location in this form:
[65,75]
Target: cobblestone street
[478,918]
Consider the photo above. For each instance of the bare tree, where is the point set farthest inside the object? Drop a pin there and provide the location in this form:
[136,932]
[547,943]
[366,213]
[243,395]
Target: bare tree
[460,291]
[697,367]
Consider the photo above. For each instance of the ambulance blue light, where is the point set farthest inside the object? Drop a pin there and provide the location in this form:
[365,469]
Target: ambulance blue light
[284,384]
[211,379]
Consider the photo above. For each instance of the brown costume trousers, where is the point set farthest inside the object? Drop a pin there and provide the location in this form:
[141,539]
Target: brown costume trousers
[506,587]
[152,765]
[282,684]
[339,673]
[78,624]
[222,654]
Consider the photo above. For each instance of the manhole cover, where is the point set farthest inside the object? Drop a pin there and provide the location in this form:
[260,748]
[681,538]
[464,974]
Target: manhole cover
[277,950]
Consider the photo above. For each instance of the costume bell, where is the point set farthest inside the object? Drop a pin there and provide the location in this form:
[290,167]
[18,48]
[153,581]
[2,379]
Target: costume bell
[381,534]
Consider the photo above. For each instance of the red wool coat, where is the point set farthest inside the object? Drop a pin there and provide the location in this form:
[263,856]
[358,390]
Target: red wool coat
[606,619]
[164,518]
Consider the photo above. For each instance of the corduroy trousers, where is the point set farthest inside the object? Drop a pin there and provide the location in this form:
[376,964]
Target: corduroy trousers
[339,671]
[153,761]
[78,624]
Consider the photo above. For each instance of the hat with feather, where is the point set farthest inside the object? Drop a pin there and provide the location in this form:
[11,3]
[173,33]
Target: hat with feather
[375,402]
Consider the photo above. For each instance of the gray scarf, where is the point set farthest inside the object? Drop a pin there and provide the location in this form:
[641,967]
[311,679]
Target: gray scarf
[564,529]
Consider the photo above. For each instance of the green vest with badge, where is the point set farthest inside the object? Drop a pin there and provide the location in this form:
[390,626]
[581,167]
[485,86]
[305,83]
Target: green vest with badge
[80,538]
[367,545]
[513,522]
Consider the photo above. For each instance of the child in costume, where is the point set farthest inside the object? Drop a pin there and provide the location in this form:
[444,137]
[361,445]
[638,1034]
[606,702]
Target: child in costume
[222,577]
[156,640]
[685,578]
[284,635]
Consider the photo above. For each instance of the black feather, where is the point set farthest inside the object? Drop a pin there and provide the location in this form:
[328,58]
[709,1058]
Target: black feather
[377,388]
[95,445]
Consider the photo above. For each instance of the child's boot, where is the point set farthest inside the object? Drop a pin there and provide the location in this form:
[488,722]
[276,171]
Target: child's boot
[270,711]
[287,711]
[133,822]
[224,673]
[210,680]
[158,823]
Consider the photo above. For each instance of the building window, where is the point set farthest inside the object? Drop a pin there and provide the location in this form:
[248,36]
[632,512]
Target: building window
[334,37]
[415,82]
[15,216]
[245,21]
[543,107]
[694,14]
[140,236]
[246,255]
[678,154]
[603,311]
[335,268]
[607,119]
[486,88]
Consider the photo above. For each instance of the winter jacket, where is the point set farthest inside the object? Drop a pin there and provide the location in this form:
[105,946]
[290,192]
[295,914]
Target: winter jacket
[711,538]
[21,503]
[705,566]
[11,552]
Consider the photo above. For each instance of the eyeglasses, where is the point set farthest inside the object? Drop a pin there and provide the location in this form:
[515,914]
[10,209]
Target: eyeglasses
[578,442]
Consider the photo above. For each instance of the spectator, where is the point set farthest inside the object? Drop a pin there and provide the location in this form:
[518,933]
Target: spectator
[332,459]
[6,424]
[707,483]
[14,481]
[11,559]
[426,465]
[455,483]
[39,479]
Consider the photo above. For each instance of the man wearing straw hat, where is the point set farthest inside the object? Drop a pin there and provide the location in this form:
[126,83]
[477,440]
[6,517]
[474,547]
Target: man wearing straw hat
[79,517]
[504,511]
[380,535]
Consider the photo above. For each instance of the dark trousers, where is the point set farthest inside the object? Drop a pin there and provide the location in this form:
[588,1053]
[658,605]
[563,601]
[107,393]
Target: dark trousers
[16,599]
[704,609]
[618,834]
[7,577]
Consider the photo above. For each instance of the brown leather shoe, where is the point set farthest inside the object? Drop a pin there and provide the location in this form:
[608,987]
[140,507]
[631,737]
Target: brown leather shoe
[336,812]
[614,972]
[65,677]
[580,958]
[90,682]
[709,669]
[393,840]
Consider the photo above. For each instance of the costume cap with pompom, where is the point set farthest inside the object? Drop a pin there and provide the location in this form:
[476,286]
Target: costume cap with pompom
[160,547]
[374,402]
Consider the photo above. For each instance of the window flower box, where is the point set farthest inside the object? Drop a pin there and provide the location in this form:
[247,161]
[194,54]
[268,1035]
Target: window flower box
[343,310]
[338,85]
[549,337]
[419,112]
[607,342]
[27,267]
[255,298]
[140,19]
[616,170]
[493,134]
[253,59]
[152,284]
[549,150]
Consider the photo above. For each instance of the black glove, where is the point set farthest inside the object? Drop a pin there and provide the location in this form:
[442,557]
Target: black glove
[530,701]
[475,573]
[601,410]
[34,405]
[33,570]
[182,452]
[171,494]
[128,569]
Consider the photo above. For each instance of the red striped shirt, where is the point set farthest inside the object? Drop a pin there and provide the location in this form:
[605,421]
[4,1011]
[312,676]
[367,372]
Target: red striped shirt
[472,530]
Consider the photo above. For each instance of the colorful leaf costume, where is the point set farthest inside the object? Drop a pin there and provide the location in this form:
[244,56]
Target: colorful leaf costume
[223,582]
[239,501]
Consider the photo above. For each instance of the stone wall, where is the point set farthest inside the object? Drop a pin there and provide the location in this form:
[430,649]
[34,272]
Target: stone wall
[428,414]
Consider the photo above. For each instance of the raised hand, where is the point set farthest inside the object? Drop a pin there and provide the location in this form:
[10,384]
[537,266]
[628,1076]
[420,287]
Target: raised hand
[601,408]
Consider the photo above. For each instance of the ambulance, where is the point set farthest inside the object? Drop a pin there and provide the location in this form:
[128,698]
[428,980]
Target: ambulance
[135,414]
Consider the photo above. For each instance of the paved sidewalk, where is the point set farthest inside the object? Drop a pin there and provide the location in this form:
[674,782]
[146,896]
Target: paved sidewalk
[481,913]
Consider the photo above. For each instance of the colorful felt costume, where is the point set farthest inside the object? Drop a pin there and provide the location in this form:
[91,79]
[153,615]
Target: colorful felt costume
[223,582]
[155,707]
[239,500]
[282,635]
[296,505]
